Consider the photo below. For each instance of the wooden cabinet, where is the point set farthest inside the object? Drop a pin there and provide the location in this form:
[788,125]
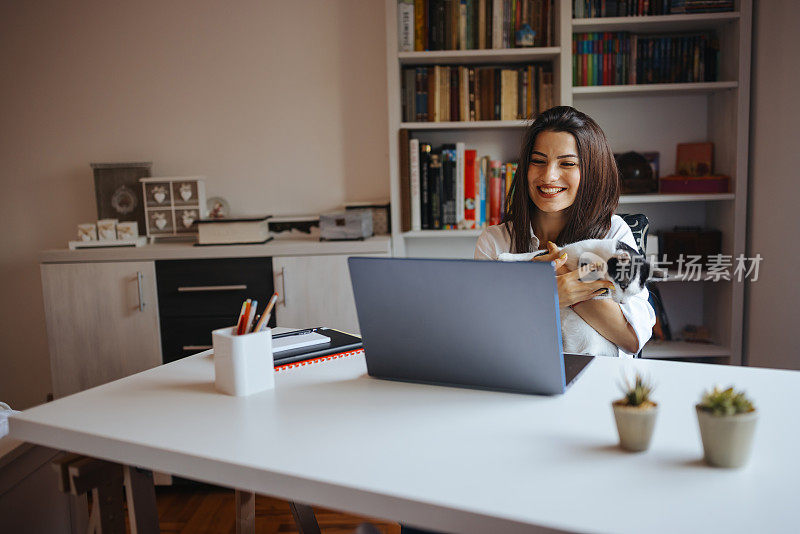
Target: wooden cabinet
[315,291]
[111,313]
[102,322]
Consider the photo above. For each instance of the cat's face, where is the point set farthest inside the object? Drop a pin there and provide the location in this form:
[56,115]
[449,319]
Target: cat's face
[628,271]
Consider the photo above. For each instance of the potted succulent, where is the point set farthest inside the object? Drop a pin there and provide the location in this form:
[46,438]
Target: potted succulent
[635,414]
[727,422]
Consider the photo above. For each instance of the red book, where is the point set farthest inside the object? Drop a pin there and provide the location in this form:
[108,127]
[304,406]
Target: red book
[495,192]
[470,190]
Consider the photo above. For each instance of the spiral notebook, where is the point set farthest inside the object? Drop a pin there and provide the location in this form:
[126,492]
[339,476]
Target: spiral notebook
[340,342]
[321,359]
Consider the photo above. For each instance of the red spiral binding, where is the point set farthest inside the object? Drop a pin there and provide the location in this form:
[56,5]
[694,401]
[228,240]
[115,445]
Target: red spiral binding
[318,360]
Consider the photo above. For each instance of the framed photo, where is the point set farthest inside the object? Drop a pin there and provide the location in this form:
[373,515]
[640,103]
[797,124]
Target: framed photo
[118,192]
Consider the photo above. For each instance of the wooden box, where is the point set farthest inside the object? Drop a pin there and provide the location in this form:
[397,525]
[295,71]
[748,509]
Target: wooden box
[694,184]
[173,205]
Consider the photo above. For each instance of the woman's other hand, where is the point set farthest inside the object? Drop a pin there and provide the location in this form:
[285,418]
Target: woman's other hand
[572,288]
[553,254]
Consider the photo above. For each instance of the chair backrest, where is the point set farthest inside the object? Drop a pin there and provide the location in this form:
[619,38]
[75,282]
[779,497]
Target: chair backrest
[639,226]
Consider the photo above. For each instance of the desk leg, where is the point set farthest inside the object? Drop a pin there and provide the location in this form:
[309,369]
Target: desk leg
[245,512]
[304,518]
[141,495]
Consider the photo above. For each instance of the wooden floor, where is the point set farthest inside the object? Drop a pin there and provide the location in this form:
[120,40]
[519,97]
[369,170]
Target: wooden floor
[208,509]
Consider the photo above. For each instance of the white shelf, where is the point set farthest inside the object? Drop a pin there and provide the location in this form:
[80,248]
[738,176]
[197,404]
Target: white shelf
[464,125]
[486,56]
[653,89]
[683,349]
[442,233]
[653,198]
[657,23]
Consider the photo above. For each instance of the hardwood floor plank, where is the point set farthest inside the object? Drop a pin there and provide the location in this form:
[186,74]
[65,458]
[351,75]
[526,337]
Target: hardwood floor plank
[210,510]
[205,516]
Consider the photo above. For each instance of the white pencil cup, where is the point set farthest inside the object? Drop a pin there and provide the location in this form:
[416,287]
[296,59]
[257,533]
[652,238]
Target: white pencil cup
[243,364]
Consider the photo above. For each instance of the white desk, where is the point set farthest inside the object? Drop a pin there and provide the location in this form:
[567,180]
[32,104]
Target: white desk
[445,458]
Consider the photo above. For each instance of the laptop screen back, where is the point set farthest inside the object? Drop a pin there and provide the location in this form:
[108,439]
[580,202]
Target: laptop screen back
[482,324]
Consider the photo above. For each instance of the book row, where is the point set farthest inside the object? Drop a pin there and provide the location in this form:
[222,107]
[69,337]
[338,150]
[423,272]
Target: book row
[587,9]
[474,24]
[450,187]
[473,93]
[623,58]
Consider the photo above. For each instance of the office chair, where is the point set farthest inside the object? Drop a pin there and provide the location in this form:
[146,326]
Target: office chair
[639,225]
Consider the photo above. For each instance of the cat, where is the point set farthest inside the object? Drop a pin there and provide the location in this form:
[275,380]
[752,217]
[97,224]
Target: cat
[613,260]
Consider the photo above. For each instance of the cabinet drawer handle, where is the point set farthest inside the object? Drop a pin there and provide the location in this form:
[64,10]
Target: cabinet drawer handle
[139,279]
[189,289]
[197,347]
[283,287]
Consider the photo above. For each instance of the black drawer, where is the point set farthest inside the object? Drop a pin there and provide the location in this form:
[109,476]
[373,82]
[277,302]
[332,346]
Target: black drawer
[213,287]
[184,336]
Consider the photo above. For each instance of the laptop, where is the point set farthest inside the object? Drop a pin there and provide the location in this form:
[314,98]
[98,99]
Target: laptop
[468,323]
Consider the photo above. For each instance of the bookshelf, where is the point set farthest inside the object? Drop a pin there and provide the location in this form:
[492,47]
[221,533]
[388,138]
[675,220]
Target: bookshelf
[653,117]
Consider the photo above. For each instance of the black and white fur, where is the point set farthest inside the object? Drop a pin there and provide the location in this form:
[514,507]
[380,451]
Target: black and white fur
[613,260]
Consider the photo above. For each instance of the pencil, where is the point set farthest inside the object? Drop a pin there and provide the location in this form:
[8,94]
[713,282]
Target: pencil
[246,315]
[262,324]
[267,313]
[241,315]
[251,317]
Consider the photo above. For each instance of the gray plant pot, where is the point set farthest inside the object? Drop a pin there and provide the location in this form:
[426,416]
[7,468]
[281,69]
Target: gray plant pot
[727,439]
[635,426]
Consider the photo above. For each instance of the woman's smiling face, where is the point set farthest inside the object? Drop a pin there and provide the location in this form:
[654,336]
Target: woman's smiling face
[554,174]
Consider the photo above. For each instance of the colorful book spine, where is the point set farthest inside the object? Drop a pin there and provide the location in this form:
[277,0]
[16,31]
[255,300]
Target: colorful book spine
[405,21]
[436,180]
[460,184]
[495,192]
[497,23]
[449,187]
[483,192]
[425,185]
[416,199]
[462,25]
[471,189]
[420,26]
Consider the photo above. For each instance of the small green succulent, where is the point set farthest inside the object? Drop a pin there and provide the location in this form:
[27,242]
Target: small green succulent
[725,402]
[637,394]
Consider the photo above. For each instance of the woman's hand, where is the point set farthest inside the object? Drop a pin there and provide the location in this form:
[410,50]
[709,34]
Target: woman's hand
[571,289]
[554,255]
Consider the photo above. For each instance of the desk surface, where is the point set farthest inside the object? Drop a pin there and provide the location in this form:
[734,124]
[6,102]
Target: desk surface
[446,458]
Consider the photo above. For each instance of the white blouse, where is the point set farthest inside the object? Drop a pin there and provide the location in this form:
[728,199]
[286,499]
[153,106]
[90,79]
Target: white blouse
[495,240]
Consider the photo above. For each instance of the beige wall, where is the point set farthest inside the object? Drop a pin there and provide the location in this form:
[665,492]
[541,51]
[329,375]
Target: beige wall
[281,104]
[773,301]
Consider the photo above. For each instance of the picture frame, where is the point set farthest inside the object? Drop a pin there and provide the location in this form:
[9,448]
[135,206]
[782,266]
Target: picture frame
[118,192]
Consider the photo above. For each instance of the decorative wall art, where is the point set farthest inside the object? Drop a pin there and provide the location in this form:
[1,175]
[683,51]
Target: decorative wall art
[173,205]
[117,190]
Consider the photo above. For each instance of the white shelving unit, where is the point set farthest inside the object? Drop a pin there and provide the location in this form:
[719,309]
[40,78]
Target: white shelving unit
[644,118]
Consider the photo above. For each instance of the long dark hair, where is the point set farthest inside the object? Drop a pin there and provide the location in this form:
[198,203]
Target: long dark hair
[597,198]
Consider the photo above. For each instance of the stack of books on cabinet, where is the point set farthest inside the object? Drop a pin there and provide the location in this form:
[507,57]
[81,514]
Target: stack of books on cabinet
[652,73]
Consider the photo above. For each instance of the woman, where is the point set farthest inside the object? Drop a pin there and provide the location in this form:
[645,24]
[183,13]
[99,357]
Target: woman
[566,189]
